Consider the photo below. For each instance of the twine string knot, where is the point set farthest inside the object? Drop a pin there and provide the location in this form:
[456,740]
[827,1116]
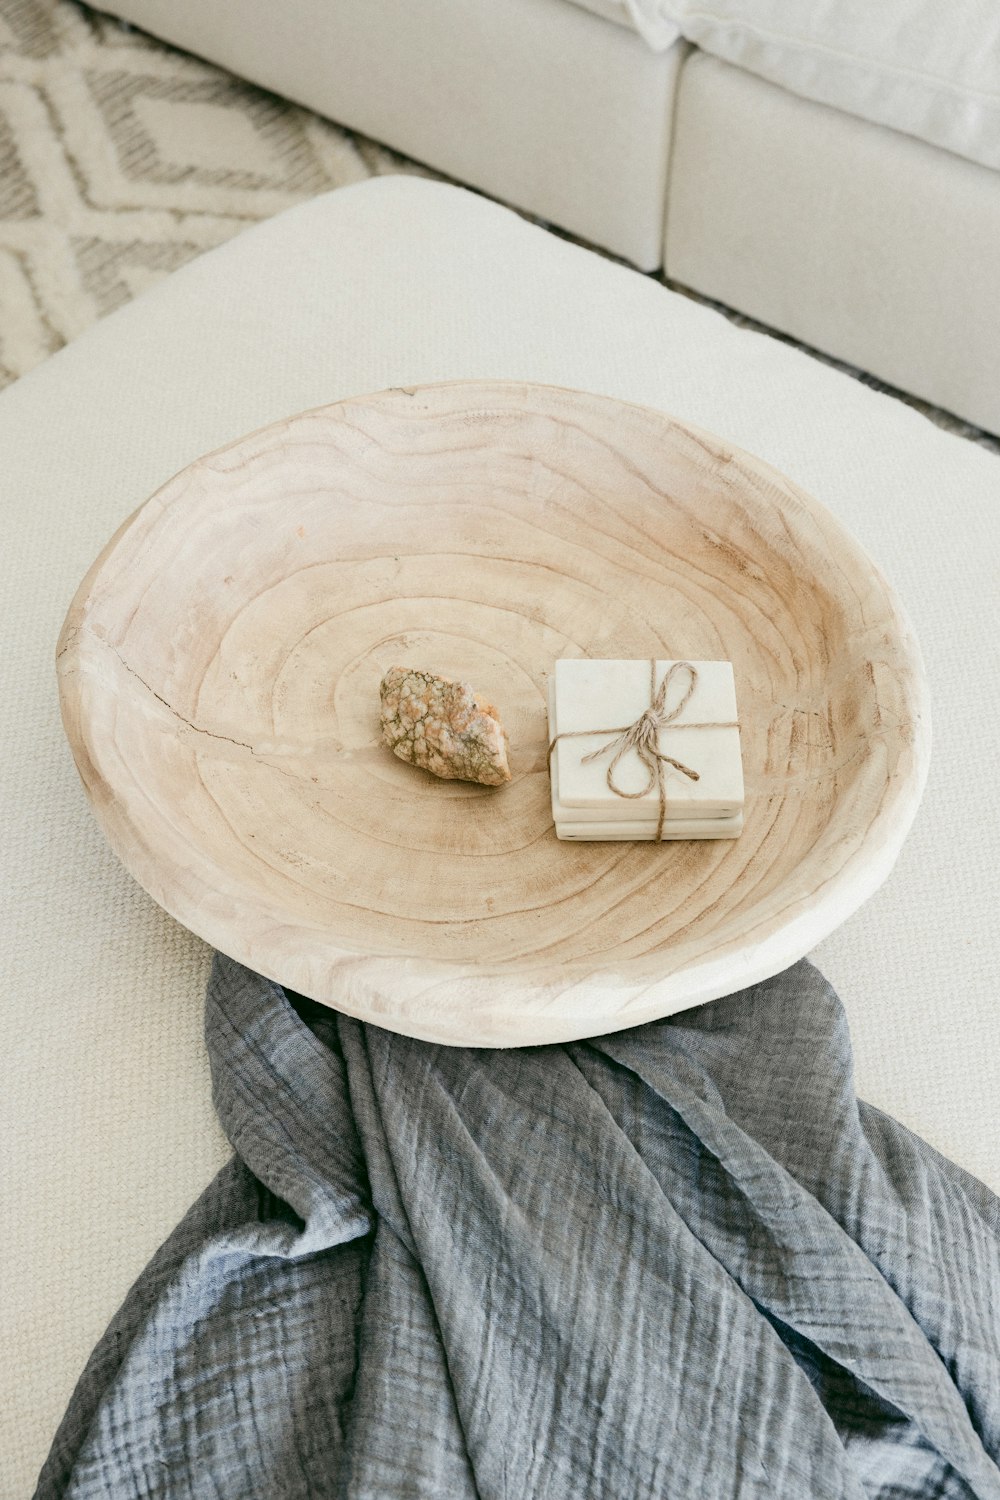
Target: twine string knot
[644,735]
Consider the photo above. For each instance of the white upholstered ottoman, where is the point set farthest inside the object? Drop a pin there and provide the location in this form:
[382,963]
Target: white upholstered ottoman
[107,1123]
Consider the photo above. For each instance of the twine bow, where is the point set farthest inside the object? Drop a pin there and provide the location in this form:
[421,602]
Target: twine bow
[644,737]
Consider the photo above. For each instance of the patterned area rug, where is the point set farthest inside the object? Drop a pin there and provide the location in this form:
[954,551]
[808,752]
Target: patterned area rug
[121,158]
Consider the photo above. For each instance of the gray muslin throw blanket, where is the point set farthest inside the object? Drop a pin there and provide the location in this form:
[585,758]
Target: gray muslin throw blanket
[678,1261]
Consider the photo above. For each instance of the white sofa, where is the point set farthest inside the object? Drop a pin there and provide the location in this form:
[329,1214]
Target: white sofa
[831,170]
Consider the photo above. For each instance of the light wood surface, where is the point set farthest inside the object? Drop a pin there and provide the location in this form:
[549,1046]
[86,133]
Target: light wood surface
[219,672]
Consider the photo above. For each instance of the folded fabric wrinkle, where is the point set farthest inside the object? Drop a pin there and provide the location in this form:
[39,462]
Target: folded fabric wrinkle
[682,1260]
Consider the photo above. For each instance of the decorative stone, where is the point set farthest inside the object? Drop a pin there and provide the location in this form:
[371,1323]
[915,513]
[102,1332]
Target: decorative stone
[443,726]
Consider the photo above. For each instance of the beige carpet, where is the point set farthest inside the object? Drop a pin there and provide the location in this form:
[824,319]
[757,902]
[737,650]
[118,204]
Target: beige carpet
[120,159]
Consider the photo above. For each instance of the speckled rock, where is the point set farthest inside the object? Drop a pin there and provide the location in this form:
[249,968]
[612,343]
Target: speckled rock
[443,726]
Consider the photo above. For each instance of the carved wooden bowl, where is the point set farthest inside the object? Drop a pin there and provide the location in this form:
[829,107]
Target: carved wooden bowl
[219,672]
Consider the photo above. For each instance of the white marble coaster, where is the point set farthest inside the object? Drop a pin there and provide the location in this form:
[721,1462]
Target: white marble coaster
[588,692]
[673,829]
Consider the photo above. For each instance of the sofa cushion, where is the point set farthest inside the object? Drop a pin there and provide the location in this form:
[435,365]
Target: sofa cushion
[817,224]
[650,21]
[928,70]
[106,1113]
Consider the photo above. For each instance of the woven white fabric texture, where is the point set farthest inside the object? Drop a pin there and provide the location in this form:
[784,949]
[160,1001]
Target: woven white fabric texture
[107,1123]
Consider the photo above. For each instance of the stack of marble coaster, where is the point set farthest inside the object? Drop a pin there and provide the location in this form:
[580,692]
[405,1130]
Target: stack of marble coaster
[592,705]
